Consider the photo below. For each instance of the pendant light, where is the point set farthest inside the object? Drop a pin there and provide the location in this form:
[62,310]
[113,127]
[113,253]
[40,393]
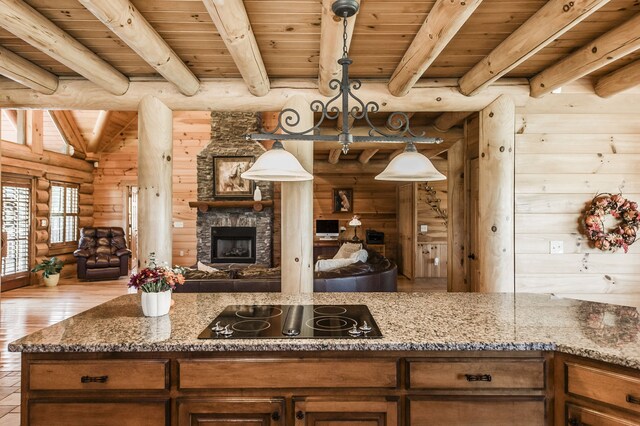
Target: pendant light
[278,165]
[411,166]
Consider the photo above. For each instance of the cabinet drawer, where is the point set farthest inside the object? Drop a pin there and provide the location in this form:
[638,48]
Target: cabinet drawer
[605,386]
[98,413]
[477,412]
[581,416]
[98,375]
[308,373]
[480,374]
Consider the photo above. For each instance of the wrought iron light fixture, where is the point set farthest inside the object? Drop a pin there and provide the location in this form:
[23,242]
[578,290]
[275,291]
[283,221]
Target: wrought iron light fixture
[398,129]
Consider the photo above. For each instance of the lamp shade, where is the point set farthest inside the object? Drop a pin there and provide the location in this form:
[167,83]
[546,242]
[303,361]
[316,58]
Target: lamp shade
[277,165]
[410,166]
[355,222]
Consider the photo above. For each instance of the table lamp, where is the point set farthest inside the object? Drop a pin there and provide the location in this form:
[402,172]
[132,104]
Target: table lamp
[355,222]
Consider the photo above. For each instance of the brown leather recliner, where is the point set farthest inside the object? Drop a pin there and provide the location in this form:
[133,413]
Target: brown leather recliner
[102,254]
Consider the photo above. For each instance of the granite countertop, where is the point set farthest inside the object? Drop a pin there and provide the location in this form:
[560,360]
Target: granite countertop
[409,322]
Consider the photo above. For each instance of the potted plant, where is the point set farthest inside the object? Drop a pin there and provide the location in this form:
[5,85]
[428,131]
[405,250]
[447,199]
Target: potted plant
[50,270]
[156,283]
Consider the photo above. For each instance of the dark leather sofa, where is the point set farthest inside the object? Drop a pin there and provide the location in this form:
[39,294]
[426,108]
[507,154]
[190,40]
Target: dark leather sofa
[102,254]
[378,274]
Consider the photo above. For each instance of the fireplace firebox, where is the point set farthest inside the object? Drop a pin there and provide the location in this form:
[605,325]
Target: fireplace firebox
[233,244]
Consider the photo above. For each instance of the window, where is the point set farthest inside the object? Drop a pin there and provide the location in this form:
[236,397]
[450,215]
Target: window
[15,227]
[64,213]
[9,125]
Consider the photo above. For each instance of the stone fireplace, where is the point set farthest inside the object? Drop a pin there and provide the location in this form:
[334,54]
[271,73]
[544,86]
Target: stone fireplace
[232,234]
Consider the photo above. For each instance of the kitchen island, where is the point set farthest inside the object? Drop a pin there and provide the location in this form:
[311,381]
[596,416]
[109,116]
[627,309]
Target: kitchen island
[443,359]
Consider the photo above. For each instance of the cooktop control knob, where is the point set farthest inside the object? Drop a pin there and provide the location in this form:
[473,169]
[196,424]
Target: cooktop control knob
[353,331]
[226,331]
[365,327]
[217,327]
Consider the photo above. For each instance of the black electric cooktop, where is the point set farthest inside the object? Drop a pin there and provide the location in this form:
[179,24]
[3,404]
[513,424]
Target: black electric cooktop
[293,321]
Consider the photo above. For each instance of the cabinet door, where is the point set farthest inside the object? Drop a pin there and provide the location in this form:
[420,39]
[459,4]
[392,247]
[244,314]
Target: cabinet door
[581,416]
[347,411]
[103,413]
[231,411]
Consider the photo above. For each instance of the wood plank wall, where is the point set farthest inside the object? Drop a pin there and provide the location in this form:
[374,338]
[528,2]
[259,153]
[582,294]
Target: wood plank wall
[565,157]
[118,171]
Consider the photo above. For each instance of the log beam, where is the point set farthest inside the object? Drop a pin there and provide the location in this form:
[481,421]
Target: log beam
[232,22]
[233,95]
[334,156]
[447,120]
[98,130]
[443,22]
[609,47]
[618,81]
[28,24]
[27,73]
[34,131]
[331,47]
[123,19]
[339,120]
[366,155]
[555,18]
[155,184]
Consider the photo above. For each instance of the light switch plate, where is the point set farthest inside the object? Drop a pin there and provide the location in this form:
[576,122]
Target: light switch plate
[424,228]
[178,224]
[556,247]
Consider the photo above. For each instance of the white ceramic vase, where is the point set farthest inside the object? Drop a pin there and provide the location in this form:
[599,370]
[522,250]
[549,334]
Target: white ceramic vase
[156,304]
[51,280]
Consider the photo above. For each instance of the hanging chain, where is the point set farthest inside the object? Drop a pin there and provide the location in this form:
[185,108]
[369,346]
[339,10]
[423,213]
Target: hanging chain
[344,38]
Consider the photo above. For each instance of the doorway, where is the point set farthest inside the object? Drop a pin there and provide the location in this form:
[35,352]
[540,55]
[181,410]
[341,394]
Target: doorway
[16,232]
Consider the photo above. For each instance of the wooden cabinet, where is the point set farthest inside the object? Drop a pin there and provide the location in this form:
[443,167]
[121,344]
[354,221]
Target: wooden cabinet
[231,411]
[78,412]
[323,411]
[595,393]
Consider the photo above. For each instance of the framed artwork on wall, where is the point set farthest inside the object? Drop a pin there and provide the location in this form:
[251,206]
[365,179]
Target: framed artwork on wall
[226,177]
[343,200]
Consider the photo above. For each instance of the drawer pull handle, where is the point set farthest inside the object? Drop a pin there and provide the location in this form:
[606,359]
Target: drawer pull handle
[94,379]
[633,400]
[478,377]
[300,415]
[576,422]
[275,416]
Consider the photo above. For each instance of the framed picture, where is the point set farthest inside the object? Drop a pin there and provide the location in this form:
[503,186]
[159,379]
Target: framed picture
[226,177]
[343,200]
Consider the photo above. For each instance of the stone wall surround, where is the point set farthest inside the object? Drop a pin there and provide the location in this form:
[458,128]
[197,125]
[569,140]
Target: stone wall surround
[227,139]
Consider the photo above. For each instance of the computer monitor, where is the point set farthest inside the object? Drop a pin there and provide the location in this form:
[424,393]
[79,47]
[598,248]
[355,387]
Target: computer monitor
[327,229]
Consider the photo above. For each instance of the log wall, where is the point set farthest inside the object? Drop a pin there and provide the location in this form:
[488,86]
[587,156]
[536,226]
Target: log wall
[566,153]
[118,170]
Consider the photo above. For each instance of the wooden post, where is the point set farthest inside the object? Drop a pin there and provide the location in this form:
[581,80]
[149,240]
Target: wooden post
[496,197]
[456,228]
[34,131]
[297,212]
[155,188]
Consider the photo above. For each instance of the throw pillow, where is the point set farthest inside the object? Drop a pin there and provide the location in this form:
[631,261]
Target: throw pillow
[206,268]
[347,249]
[360,256]
[324,265]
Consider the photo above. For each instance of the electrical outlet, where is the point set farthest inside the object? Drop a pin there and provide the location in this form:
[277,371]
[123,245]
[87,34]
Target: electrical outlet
[424,228]
[178,224]
[556,247]
[181,253]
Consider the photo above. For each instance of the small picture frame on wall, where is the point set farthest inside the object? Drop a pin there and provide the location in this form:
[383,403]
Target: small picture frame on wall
[343,200]
[227,180]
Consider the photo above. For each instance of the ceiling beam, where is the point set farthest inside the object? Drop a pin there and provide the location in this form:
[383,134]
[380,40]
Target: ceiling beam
[611,46]
[331,47]
[28,24]
[334,156]
[26,73]
[99,129]
[233,95]
[107,144]
[447,120]
[232,22]
[68,128]
[555,18]
[124,20]
[618,81]
[366,155]
[443,22]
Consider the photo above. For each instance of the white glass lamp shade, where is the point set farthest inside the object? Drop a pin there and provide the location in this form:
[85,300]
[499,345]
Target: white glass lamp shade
[355,222]
[277,165]
[411,166]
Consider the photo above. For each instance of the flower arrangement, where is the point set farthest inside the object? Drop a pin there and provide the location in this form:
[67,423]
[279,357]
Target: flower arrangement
[620,208]
[155,278]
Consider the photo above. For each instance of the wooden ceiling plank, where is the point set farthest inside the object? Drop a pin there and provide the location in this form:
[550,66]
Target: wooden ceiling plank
[68,128]
[447,120]
[331,30]
[27,73]
[442,24]
[232,22]
[106,144]
[607,48]
[366,155]
[334,156]
[618,81]
[98,130]
[28,24]
[124,20]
